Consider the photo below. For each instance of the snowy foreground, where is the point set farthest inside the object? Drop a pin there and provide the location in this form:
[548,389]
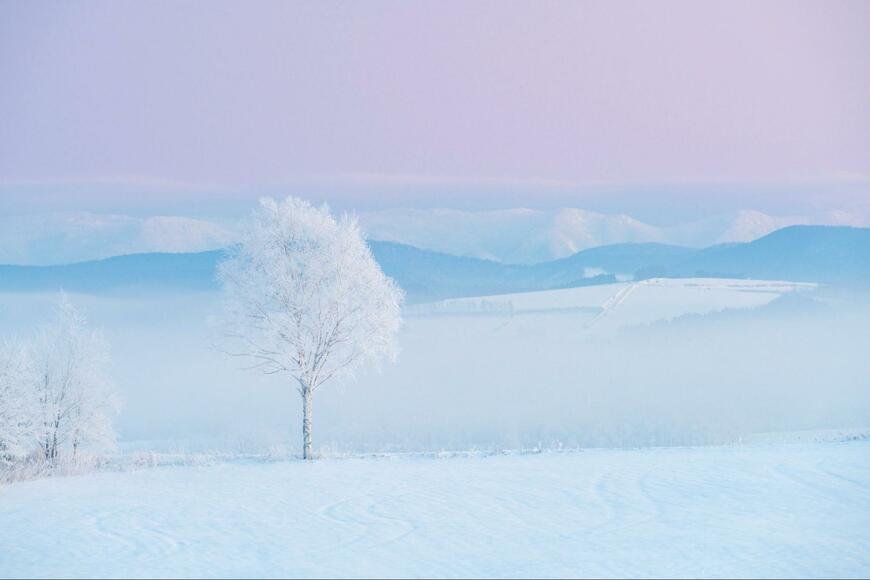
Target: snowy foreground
[759,510]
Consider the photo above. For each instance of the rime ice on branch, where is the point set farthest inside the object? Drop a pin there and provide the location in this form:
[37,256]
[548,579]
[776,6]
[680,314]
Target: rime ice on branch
[56,396]
[75,396]
[305,297]
[18,409]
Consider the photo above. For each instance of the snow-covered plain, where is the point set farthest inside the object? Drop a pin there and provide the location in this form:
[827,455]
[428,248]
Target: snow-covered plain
[799,510]
[624,304]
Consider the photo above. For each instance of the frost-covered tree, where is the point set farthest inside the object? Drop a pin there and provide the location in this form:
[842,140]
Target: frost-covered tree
[304,296]
[75,396]
[18,409]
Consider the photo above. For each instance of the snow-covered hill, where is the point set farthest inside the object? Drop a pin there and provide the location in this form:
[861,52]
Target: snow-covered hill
[757,511]
[625,304]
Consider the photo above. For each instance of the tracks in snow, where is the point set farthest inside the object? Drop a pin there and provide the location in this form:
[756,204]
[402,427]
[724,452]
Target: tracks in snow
[613,302]
[667,512]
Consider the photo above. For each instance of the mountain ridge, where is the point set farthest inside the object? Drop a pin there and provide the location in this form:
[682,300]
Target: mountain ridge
[510,236]
[828,254]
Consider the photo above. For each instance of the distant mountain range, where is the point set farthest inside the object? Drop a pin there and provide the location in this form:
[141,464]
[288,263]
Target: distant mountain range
[63,238]
[833,255]
[526,236]
[510,236]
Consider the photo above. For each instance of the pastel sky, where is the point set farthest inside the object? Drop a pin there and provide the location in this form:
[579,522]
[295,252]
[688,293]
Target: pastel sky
[251,94]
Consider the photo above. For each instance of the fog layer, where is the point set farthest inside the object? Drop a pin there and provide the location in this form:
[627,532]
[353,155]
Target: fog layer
[500,380]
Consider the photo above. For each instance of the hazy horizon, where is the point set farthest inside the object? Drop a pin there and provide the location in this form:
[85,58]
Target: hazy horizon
[664,112]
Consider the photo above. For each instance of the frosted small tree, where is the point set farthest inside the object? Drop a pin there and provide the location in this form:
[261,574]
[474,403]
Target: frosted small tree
[75,397]
[305,297]
[18,409]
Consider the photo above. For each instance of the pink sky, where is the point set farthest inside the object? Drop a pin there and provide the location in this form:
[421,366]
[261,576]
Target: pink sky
[232,94]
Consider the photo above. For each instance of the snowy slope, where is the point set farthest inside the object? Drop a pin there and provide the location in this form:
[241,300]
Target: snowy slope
[756,511]
[624,304]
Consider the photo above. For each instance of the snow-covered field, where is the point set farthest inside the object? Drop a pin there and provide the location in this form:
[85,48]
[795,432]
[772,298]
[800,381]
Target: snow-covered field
[624,304]
[787,510]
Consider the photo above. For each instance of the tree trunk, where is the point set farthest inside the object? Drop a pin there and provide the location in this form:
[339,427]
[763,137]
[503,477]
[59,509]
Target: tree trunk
[52,448]
[307,400]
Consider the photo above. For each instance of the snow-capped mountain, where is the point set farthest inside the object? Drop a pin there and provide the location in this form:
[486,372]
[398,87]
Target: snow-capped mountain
[525,236]
[510,236]
[830,255]
[60,238]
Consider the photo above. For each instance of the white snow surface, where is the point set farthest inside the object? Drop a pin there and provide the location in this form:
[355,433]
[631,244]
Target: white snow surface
[624,304]
[799,510]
